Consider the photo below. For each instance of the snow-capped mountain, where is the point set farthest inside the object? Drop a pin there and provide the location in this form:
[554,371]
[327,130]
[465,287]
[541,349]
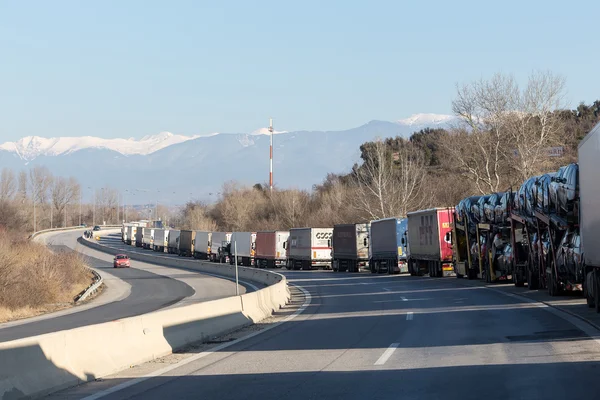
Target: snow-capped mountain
[182,167]
[30,147]
[428,120]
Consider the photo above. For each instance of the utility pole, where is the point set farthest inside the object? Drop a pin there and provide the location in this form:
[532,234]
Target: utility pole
[80,207]
[34,220]
[271,156]
[94,212]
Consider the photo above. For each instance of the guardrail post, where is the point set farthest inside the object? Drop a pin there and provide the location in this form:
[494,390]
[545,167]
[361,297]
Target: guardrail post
[237,288]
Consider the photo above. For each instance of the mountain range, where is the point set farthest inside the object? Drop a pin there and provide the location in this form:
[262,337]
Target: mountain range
[172,168]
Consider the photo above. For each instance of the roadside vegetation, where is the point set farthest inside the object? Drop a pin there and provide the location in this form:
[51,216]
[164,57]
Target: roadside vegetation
[34,280]
[505,134]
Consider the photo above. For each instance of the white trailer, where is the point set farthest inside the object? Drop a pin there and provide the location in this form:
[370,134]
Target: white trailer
[219,242]
[147,238]
[173,241]
[202,245]
[245,246]
[589,214]
[309,248]
[161,240]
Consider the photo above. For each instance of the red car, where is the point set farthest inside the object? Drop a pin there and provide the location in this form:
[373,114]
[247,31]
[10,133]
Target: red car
[121,261]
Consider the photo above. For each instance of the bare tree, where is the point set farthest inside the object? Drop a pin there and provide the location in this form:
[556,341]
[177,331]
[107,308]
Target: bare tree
[107,203]
[8,185]
[195,215]
[534,125]
[478,149]
[389,184]
[22,185]
[290,207]
[505,130]
[40,181]
[64,192]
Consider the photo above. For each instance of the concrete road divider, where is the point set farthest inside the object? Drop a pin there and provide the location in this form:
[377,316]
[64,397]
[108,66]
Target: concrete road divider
[40,365]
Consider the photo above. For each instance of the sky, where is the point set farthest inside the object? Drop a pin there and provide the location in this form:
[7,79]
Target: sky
[135,68]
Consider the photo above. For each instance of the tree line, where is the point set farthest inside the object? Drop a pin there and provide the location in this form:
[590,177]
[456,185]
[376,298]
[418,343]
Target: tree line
[35,199]
[504,134]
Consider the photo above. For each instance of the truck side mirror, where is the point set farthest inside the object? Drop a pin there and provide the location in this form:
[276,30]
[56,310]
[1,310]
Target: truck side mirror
[329,243]
[403,241]
[364,241]
[285,245]
[448,237]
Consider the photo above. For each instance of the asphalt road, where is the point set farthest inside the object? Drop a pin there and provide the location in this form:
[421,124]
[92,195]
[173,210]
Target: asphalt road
[150,290]
[393,337]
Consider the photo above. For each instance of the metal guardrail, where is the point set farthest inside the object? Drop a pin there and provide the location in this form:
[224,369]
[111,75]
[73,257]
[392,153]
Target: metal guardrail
[98,281]
[68,228]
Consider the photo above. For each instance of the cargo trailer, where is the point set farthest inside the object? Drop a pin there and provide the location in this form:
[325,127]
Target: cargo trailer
[147,238]
[429,238]
[173,241]
[271,249]
[309,248]
[186,243]
[244,244]
[161,240]
[202,245]
[589,214]
[388,246]
[131,233]
[219,242]
[350,246]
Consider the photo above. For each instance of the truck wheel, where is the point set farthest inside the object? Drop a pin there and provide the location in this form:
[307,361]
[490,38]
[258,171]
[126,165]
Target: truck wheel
[532,279]
[587,284]
[517,279]
[471,274]
[552,282]
[335,266]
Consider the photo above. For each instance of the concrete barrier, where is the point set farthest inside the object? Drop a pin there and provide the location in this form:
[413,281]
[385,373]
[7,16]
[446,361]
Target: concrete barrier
[40,365]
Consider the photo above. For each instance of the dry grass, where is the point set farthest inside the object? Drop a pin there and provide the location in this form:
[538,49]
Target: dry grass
[34,280]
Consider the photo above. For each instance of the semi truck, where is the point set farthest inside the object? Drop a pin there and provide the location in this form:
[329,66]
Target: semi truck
[218,246]
[173,241]
[388,246]
[161,240]
[271,249]
[429,236]
[309,248]
[186,243]
[244,244]
[350,247]
[202,245]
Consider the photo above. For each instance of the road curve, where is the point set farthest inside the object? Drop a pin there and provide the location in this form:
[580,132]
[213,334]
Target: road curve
[150,290]
[390,337]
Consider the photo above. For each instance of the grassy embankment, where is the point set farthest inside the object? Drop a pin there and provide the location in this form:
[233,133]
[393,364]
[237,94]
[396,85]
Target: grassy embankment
[34,281]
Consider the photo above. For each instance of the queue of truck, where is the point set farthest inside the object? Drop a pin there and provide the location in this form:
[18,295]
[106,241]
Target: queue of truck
[542,235]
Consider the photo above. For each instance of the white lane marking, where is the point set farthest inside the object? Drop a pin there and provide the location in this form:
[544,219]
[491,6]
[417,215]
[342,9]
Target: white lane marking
[387,354]
[125,385]
[387,289]
[409,316]
[403,298]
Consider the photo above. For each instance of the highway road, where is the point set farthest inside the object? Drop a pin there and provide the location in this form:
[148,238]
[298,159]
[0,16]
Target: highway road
[363,336]
[141,289]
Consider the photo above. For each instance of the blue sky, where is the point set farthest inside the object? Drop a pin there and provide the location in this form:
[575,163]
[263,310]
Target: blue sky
[134,68]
